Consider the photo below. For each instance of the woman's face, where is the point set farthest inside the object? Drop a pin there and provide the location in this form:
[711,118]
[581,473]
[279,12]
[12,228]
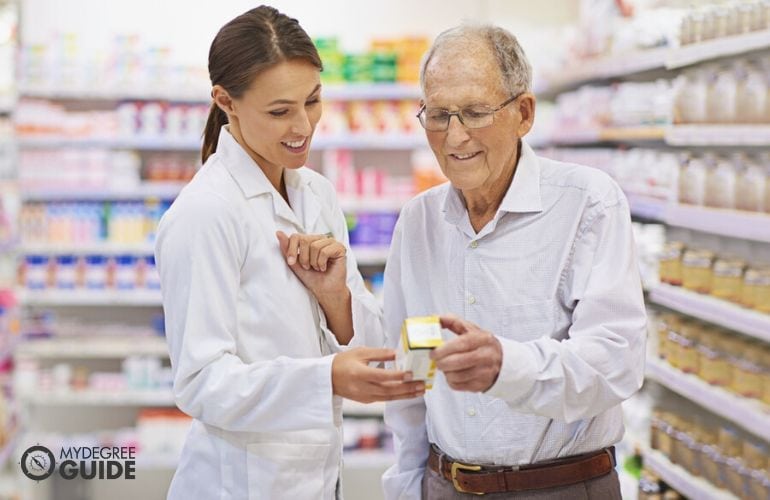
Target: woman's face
[275,118]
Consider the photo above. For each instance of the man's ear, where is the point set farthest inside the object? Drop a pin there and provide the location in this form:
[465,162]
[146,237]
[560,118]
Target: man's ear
[222,99]
[526,110]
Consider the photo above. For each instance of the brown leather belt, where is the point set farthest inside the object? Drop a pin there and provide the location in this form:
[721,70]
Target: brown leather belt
[481,479]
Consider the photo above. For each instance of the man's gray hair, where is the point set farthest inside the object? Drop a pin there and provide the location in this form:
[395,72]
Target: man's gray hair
[513,63]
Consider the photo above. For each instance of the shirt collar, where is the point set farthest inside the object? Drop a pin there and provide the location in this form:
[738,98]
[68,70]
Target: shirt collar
[246,172]
[523,194]
[253,182]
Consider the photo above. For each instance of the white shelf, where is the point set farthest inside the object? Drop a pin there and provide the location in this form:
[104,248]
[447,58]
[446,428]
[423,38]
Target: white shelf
[370,256]
[647,207]
[141,143]
[678,478]
[162,190]
[93,347]
[706,135]
[605,68]
[89,298]
[368,459]
[331,91]
[353,205]
[99,398]
[354,408]
[720,47]
[714,310]
[98,248]
[395,142]
[371,91]
[718,135]
[349,141]
[723,222]
[754,416]
[622,65]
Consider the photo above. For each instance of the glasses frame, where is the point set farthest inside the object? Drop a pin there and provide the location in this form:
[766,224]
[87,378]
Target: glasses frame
[459,115]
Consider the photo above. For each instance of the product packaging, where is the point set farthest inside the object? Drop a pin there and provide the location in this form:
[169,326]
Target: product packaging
[419,336]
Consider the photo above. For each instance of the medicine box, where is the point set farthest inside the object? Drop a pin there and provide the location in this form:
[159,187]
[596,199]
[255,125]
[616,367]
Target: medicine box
[419,336]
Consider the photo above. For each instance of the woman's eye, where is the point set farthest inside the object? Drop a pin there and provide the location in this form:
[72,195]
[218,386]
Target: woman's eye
[312,102]
[279,112]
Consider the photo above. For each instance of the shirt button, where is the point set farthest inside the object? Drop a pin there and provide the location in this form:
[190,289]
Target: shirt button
[471,300]
[471,411]
[474,244]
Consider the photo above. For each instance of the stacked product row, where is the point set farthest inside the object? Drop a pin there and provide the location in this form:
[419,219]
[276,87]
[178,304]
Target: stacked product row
[715,355]
[737,180]
[736,271]
[709,448]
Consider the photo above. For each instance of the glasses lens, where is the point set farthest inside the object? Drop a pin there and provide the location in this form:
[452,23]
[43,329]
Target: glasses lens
[435,119]
[477,116]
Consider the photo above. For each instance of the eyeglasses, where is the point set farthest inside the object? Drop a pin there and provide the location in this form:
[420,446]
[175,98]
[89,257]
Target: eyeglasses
[478,116]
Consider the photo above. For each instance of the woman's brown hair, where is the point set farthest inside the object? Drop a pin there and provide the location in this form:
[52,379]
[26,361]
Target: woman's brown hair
[247,45]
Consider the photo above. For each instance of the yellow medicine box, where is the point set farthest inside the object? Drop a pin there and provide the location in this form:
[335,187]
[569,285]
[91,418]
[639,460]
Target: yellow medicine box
[419,336]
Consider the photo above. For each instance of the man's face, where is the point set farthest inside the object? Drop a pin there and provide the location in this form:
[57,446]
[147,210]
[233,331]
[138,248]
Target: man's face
[459,76]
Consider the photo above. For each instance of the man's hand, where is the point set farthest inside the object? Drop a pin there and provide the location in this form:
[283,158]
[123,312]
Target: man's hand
[353,378]
[472,360]
[317,260]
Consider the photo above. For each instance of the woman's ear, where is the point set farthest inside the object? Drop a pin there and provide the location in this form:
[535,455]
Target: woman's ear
[222,99]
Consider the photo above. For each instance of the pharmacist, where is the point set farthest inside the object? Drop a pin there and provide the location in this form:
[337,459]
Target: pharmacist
[532,262]
[260,290]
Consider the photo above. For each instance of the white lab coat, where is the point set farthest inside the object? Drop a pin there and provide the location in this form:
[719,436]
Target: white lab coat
[250,351]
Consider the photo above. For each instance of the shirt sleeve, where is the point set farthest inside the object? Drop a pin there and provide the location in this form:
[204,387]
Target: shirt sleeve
[368,329]
[199,252]
[405,418]
[601,363]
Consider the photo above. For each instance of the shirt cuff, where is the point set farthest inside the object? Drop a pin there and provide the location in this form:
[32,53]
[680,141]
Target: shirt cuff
[517,372]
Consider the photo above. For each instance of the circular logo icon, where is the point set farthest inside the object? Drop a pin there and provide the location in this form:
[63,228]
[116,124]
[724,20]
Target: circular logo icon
[37,463]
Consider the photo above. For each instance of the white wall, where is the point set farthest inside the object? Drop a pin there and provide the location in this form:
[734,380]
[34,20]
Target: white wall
[187,27]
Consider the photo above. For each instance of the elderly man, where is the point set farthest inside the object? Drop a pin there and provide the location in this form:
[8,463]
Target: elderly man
[533,263]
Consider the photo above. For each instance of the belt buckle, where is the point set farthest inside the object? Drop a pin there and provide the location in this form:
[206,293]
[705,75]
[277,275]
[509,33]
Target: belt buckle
[458,466]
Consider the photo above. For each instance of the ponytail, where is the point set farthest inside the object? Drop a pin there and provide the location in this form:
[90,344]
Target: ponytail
[217,118]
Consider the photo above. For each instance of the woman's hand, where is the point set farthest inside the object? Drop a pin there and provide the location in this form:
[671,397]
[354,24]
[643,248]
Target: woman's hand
[317,260]
[353,378]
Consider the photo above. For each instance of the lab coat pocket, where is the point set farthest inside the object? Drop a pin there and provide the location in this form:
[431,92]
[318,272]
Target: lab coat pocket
[525,322]
[286,470]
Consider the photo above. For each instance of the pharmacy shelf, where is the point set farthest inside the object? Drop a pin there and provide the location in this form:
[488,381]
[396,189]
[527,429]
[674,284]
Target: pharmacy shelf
[368,459]
[714,310]
[391,142]
[93,347]
[647,207]
[97,248]
[346,141]
[752,415]
[718,135]
[109,93]
[371,91]
[138,143]
[723,222]
[145,190]
[681,480]
[89,298]
[356,409]
[99,398]
[670,135]
[370,256]
[330,91]
[372,204]
[661,58]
